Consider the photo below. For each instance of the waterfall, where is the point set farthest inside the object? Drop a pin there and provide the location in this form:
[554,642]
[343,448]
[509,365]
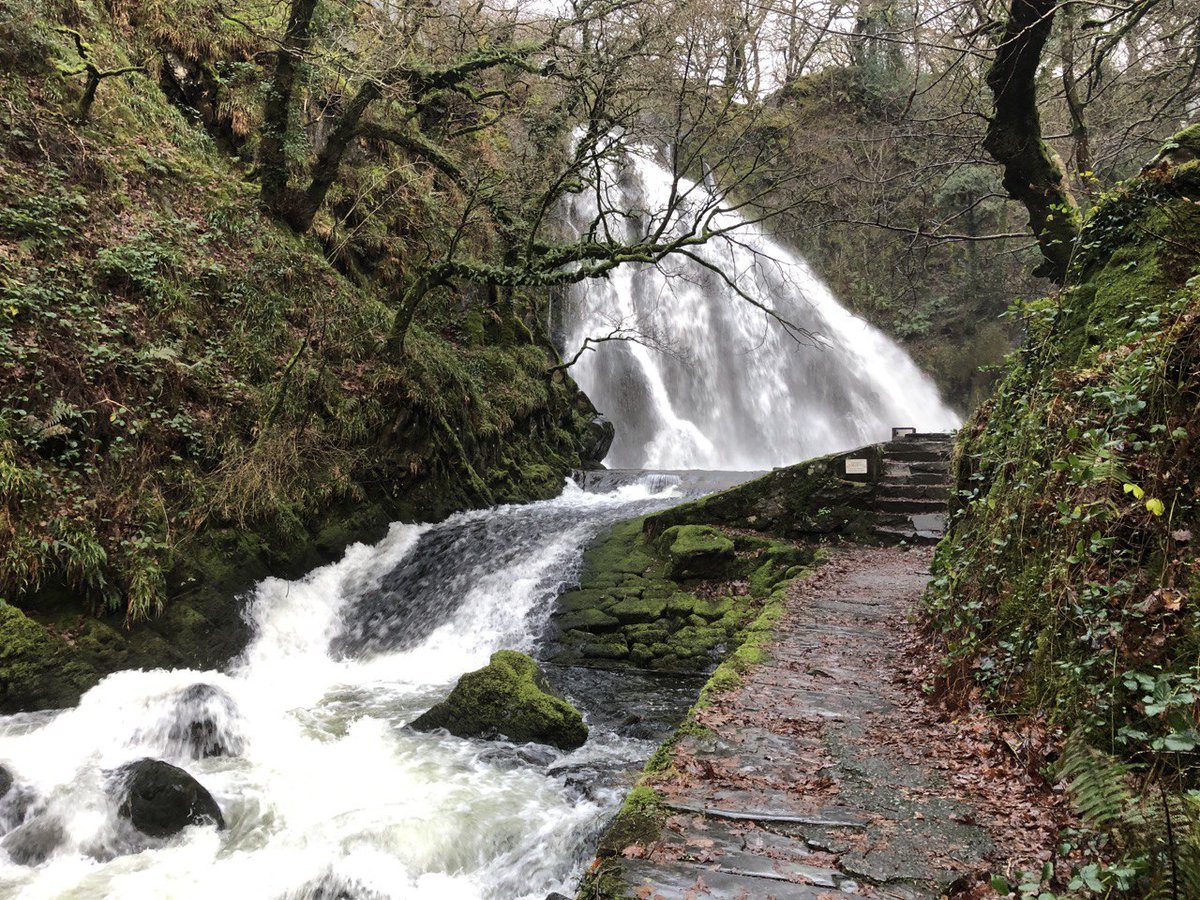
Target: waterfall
[711,381]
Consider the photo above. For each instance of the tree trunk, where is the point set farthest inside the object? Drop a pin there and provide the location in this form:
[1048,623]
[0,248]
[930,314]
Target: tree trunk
[329,160]
[275,191]
[1075,106]
[1033,173]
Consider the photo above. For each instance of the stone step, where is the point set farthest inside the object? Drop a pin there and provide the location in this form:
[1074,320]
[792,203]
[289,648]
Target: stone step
[907,444]
[915,454]
[903,489]
[915,478]
[909,505]
[897,534]
[903,469]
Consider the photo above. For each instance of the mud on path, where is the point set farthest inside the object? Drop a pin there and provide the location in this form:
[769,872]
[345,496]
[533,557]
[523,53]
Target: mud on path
[826,773]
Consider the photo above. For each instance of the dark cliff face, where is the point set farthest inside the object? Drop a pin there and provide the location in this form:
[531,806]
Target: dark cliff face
[192,397]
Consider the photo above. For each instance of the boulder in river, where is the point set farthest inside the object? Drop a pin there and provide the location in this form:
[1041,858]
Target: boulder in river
[32,843]
[510,696]
[599,438]
[160,799]
[203,724]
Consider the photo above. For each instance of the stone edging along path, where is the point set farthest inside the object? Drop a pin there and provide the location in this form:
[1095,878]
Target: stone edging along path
[822,772]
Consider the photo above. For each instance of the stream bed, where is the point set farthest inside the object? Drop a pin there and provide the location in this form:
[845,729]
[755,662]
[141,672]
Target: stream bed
[324,791]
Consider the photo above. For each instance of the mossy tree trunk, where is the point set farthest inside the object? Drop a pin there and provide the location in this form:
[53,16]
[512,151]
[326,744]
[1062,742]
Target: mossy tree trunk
[1033,173]
[276,193]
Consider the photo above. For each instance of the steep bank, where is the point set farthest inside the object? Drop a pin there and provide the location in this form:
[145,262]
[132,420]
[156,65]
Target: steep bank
[1066,588]
[192,397]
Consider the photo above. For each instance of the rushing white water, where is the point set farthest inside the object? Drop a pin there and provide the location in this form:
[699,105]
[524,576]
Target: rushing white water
[712,382]
[328,795]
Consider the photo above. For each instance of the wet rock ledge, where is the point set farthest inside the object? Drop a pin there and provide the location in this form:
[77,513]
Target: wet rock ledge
[679,601]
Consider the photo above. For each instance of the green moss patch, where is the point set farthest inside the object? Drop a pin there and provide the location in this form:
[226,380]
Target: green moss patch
[511,697]
[36,667]
[642,602]
[694,551]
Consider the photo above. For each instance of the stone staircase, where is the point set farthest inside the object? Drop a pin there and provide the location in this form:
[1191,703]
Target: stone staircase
[913,489]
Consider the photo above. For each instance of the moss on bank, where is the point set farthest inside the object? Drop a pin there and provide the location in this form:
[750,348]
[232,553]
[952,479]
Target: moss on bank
[677,602]
[1066,586]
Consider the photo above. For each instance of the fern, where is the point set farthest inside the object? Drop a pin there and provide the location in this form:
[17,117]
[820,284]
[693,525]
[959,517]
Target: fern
[1099,785]
[1155,832]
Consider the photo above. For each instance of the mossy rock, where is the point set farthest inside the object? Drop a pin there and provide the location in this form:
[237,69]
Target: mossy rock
[510,696]
[646,633]
[610,646]
[37,669]
[681,605]
[696,640]
[695,551]
[620,552]
[633,610]
[713,608]
[578,601]
[588,620]
[641,655]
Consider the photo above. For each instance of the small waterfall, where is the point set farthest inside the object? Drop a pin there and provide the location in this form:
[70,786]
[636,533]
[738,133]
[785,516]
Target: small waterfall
[714,383]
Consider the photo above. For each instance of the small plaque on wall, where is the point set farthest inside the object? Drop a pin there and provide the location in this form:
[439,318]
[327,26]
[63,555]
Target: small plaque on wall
[856,467]
[902,432]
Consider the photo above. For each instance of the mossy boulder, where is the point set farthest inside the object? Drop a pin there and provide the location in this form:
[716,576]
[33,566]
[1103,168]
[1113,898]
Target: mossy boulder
[37,669]
[608,646]
[588,620]
[510,696]
[635,610]
[695,551]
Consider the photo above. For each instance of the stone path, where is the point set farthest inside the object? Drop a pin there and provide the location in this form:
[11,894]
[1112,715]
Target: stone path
[816,776]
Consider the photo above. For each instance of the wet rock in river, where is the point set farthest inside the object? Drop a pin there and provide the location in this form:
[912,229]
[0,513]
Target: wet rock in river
[32,843]
[330,886]
[509,697]
[204,724]
[15,801]
[160,799]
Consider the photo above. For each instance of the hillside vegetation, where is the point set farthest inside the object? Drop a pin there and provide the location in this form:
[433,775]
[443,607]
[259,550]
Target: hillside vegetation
[192,394]
[1067,588]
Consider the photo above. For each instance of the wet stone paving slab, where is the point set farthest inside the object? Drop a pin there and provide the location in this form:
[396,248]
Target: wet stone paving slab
[812,778]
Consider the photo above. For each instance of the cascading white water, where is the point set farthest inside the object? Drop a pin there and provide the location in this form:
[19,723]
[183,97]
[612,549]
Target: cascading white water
[732,390]
[325,793]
